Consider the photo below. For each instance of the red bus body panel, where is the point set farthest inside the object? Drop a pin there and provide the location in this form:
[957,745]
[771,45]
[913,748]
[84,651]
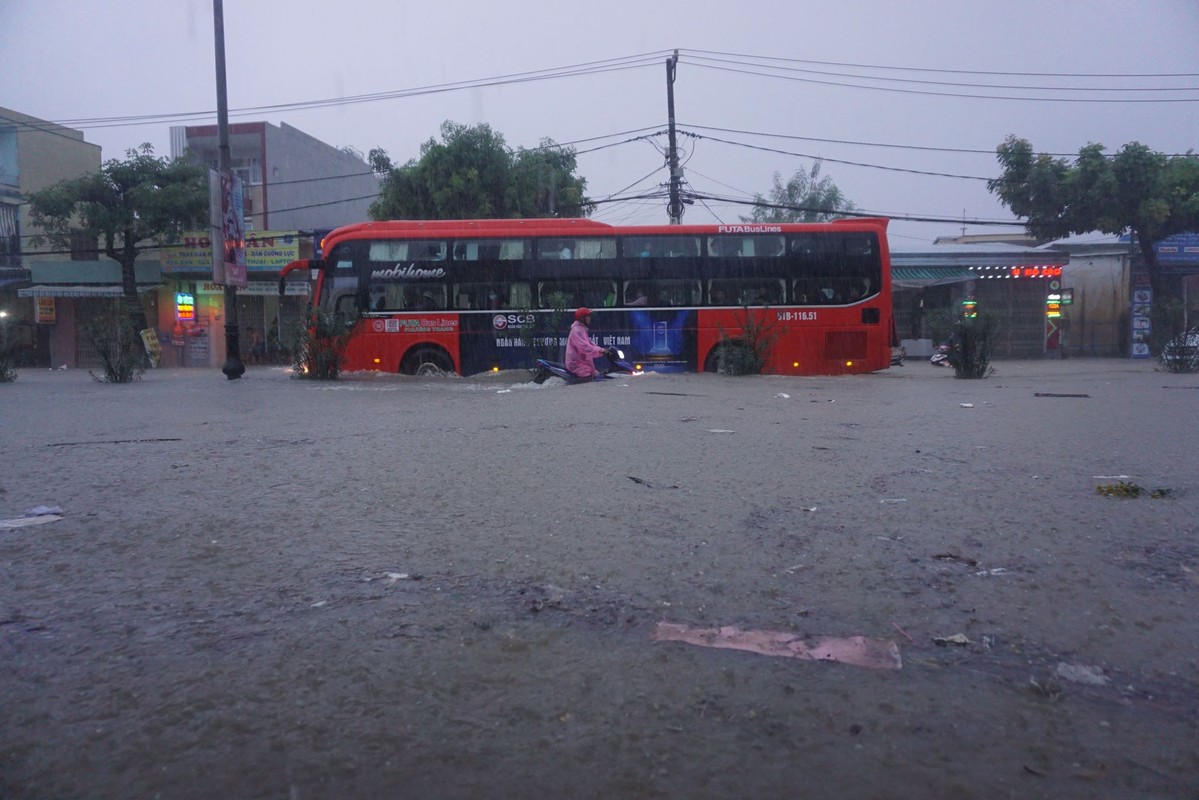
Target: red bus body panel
[807,340]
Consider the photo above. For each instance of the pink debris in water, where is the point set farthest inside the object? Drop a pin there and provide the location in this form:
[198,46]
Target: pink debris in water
[856,650]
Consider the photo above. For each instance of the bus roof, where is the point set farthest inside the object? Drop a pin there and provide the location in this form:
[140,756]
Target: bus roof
[554,226]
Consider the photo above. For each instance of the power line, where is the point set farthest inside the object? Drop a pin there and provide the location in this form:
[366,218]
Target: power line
[844,85]
[956,71]
[576,70]
[857,213]
[957,84]
[838,160]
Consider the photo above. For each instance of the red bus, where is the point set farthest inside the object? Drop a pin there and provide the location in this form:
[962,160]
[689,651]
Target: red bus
[469,296]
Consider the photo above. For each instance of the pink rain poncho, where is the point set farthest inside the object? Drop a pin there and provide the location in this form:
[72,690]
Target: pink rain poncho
[580,351]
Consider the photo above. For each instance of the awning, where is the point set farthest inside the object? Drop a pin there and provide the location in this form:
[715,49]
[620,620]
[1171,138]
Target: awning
[10,281]
[919,277]
[78,291]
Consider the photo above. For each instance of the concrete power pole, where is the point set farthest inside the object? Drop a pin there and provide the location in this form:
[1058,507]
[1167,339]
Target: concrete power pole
[233,368]
[675,206]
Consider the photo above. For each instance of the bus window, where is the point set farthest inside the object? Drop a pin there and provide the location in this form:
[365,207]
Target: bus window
[489,250]
[562,249]
[575,293]
[661,246]
[425,297]
[661,293]
[745,292]
[489,295]
[387,250]
[745,246]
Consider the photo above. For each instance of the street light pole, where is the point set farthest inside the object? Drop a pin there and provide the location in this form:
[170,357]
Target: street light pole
[233,367]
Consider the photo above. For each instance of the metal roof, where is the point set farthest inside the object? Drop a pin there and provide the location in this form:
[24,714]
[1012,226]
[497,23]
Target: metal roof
[93,290]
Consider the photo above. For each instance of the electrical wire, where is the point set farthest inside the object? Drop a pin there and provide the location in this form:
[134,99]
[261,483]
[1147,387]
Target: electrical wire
[959,95]
[956,71]
[954,84]
[838,160]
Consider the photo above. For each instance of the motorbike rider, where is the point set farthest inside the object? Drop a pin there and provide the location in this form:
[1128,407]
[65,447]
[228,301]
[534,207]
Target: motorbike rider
[580,350]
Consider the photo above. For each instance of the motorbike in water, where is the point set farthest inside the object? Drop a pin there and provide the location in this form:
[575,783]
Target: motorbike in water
[941,357]
[549,369]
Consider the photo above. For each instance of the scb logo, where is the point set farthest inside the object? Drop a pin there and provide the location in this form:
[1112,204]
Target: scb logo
[501,321]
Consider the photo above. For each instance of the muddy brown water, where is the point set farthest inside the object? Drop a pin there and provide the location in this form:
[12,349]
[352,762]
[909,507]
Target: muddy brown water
[397,587]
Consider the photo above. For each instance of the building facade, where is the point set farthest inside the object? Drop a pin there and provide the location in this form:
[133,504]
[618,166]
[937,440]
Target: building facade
[36,154]
[294,184]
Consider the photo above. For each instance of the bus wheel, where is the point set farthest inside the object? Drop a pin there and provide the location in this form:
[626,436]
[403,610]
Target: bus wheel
[427,361]
[715,360]
[729,358]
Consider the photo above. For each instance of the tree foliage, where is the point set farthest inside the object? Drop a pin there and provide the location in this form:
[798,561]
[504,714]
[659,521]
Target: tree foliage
[1135,191]
[127,206]
[472,174]
[805,197]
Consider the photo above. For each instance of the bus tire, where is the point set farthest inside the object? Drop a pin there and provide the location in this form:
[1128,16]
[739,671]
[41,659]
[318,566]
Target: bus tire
[715,362]
[427,361]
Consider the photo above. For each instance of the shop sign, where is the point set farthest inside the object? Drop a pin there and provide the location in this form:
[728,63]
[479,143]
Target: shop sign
[259,289]
[185,307]
[265,251]
[45,312]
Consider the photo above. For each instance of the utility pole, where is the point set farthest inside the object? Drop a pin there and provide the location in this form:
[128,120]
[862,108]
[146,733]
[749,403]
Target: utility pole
[675,207]
[233,367]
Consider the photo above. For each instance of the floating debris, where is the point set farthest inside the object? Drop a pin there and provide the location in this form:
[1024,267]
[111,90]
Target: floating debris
[856,650]
[957,640]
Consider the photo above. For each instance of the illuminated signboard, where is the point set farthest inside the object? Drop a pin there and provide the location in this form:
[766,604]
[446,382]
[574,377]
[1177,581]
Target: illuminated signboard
[1053,306]
[185,307]
[1046,271]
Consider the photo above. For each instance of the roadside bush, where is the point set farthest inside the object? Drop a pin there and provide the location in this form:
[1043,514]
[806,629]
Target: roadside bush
[321,345]
[937,324]
[747,352]
[1181,353]
[115,337]
[971,346]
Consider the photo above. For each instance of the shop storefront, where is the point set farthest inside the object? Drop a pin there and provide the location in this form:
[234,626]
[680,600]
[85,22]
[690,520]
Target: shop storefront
[933,287]
[62,298]
[193,320]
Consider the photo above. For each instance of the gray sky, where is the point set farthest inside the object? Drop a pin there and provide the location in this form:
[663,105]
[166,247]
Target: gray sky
[749,68]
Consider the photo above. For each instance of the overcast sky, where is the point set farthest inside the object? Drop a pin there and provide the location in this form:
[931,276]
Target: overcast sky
[770,85]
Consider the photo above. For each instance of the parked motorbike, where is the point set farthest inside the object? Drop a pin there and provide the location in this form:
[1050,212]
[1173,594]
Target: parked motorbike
[615,363]
[941,357]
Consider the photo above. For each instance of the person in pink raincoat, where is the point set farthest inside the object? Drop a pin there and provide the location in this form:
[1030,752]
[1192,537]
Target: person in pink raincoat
[580,350]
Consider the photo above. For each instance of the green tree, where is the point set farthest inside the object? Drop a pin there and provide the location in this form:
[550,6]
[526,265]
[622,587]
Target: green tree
[1135,191]
[805,197]
[129,206]
[472,174]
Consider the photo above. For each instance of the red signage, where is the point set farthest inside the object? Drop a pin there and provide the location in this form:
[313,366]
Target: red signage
[1039,271]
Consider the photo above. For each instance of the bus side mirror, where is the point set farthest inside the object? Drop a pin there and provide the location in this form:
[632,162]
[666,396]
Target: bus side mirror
[310,264]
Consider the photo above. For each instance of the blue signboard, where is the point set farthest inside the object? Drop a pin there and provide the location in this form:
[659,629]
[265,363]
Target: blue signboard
[1179,252]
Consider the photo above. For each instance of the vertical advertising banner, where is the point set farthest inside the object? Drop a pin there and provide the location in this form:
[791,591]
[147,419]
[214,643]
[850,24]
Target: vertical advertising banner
[1142,326]
[227,209]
